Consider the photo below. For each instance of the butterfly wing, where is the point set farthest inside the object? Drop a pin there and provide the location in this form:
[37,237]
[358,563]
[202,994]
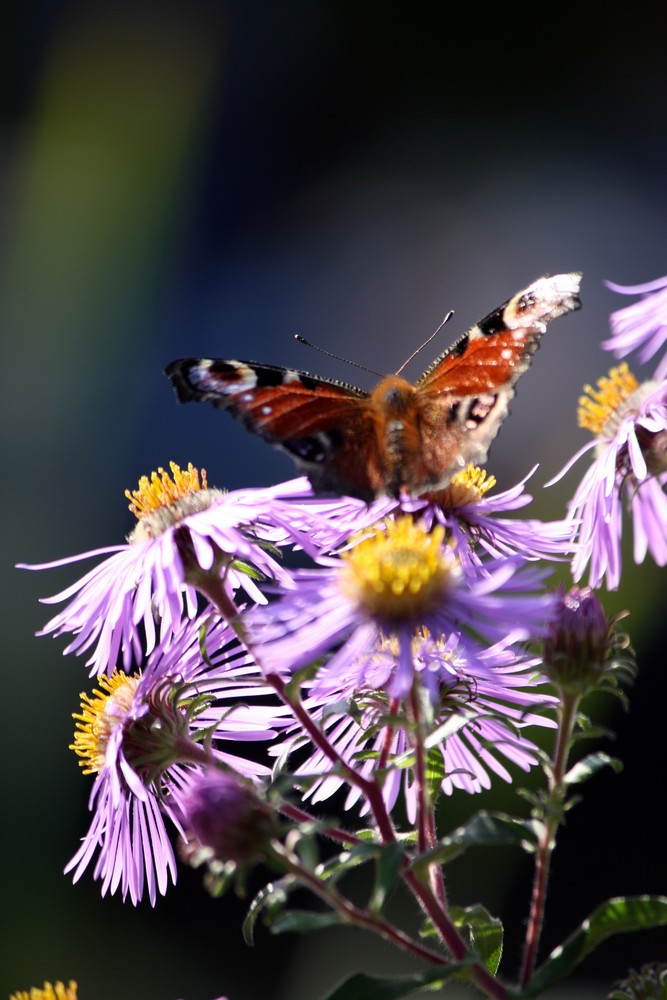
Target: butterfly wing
[464,396]
[321,423]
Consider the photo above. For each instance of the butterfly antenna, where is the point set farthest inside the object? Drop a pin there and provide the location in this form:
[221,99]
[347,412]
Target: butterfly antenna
[307,343]
[428,341]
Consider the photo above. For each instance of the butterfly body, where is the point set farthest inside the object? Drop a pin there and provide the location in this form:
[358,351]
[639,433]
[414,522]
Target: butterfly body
[400,438]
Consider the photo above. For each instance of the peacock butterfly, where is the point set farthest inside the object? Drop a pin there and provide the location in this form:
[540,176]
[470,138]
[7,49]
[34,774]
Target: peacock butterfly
[400,438]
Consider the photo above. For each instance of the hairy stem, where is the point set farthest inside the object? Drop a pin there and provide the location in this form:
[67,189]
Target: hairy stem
[567,715]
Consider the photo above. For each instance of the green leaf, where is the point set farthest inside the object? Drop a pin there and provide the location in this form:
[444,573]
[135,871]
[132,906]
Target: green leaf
[303,921]
[615,916]
[590,765]
[485,829]
[435,772]
[271,898]
[387,872]
[333,868]
[344,707]
[251,571]
[362,987]
[449,728]
[483,932]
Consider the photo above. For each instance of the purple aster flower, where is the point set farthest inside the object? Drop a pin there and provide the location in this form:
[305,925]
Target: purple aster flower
[642,325]
[142,591]
[630,468]
[472,521]
[478,708]
[388,584]
[141,735]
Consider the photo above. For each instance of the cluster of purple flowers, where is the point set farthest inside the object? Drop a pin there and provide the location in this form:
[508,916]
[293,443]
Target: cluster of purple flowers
[417,616]
[629,422]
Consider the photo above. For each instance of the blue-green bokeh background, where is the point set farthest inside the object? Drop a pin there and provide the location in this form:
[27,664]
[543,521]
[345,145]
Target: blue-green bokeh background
[209,178]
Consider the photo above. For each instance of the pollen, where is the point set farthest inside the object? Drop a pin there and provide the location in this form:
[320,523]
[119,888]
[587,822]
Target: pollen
[55,991]
[600,406]
[163,490]
[466,488]
[161,501]
[400,571]
[100,714]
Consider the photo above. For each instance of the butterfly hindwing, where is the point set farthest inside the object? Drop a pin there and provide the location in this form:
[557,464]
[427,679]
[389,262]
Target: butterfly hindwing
[399,439]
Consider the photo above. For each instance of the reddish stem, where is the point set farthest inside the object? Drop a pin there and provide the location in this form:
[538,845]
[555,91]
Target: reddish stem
[567,717]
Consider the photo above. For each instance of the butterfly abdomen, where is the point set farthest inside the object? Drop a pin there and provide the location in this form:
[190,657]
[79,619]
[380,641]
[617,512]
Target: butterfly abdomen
[397,431]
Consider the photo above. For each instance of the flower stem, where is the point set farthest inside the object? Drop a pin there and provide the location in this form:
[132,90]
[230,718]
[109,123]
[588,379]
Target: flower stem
[426,831]
[354,914]
[368,788]
[567,715]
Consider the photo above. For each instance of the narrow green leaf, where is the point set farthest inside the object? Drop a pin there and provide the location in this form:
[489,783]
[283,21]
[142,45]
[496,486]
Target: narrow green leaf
[272,898]
[616,916]
[435,772]
[343,707]
[485,829]
[387,872]
[362,987]
[251,571]
[448,728]
[590,765]
[333,868]
[302,921]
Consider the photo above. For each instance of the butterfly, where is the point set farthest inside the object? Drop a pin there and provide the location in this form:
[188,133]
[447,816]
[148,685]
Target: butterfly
[399,439]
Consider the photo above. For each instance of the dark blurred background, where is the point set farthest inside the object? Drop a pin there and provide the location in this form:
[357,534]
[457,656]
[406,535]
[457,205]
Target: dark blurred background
[209,178]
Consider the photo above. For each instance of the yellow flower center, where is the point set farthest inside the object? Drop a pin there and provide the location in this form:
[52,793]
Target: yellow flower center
[100,713]
[57,991]
[465,488]
[161,490]
[400,571]
[161,501]
[600,406]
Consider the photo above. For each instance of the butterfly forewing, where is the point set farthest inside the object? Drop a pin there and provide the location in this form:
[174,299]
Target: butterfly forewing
[321,423]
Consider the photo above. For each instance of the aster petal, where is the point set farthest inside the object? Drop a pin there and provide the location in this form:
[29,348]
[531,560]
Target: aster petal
[641,325]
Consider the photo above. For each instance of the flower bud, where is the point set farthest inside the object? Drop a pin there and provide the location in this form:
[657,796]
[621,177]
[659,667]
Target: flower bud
[650,983]
[227,817]
[577,643]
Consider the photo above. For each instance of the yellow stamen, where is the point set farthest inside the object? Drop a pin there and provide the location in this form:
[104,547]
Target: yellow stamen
[100,714]
[400,571]
[466,487]
[57,991]
[599,405]
[161,490]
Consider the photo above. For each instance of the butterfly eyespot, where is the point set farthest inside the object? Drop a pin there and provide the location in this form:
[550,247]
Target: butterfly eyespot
[479,410]
[314,450]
